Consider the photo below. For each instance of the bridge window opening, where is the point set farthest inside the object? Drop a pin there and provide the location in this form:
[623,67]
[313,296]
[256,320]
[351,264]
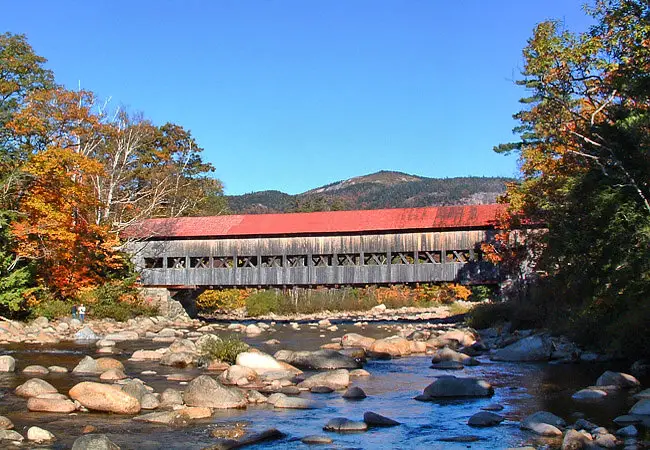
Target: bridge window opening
[200,262]
[374,259]
[402,258]
[297,260]
[271,261]
[153,263]
[322,260]
[430,257]
[348,259]
[247,261]
[176,262]
[458,256]
[223,262]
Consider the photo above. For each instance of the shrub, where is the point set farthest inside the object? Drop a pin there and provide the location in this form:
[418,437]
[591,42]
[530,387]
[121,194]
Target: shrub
[481,293]
[52,309]
[262,303]
[225,350]
[115,300]
[222,299]
[487,315]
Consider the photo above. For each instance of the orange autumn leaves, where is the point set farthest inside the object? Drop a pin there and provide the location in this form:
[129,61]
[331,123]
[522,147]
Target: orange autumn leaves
[58,205]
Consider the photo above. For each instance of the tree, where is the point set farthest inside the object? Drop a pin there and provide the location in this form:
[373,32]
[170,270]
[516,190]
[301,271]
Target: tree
[585,166]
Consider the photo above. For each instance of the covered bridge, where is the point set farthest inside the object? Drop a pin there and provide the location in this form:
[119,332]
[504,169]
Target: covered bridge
[335,248]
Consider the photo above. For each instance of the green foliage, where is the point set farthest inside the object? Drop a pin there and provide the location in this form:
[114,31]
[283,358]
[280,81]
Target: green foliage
[225,350]
[52,308]
[16,276]
[482,293]
[265,302]
[115,300]
[488,315]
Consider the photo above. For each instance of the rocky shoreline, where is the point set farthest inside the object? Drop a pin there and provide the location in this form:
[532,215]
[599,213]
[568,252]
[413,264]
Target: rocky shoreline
[280,381]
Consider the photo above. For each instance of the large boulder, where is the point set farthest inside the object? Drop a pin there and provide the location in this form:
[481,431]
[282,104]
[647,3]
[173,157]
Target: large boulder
[179,359]
[86,366]
[171,398]
[576,440]
[104,397]
[341,424]
[641,408]
[206,391]
[377,420]
[464,338]
[394,346]
[354,340]
[38,434]
[485,419]
[335,379]
[135,388]
[619,379]
[259,362]
[35,387]
[238,375]
[86,334]
[45,403]
[447,386]
[447,354]
[531,348]
[318,360]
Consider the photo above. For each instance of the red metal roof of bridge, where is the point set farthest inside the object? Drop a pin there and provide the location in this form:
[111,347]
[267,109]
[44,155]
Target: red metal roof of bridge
[330,222]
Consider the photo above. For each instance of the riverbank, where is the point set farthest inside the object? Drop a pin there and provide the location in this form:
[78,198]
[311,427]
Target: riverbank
[160,363]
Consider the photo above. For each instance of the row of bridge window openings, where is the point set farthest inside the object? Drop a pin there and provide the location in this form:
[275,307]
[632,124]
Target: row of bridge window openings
[369,259]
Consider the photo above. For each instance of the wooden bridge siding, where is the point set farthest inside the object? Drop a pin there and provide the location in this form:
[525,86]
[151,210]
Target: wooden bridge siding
[326,245]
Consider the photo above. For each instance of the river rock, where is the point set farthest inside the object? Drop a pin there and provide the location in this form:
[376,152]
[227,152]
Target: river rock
[206,391]
[321,390]
[170,398]
[485,419]
[446,386]
[622,380]
[94,442]
[36,370]
[182,346]
[317,360]
[6,423]
[377,420]
[643,394]
[543,423]
[532,348]
[352,340]
[253,330]
[112,375]
[463,337]
[86,334]
[35,387]
[627,420]
[57,369]
[575,440]
[259,362]
[395,346]
[606,440]
[146,355]
[589,395]
[641,408]
[135,388]
[123,336]
[39,435]
[354,393]
[179,359]
[48,404]
[87,365]
[628,431]
[149,401]
[180,417]
[316,439]
[341,424]
[10,435]
[447,354]
[359,373]
[7,363]
[104,397]
[335,379]
[238,375]
[294,403]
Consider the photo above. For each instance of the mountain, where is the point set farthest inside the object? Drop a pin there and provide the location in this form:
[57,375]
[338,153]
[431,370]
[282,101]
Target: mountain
[384,189]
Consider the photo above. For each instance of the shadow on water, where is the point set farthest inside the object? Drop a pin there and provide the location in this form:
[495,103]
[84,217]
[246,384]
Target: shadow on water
[520,388]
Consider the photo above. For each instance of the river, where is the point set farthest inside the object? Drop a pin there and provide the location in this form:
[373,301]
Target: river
[521,388]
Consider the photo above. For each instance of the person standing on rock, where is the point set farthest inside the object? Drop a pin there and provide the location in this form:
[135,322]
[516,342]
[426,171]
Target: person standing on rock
[82,312]
[74,311]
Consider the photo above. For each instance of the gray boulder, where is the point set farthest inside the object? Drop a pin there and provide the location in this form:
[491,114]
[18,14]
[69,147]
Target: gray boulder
[7,363]
[575,440]
[206,391]
[543,423]
[620,379]
[94,442]
[318,360]
[532,348]
[354,393]
[86,334]
[641,408]
[377,420]
[341,424]
[335,379]
[485,419]
[446,386]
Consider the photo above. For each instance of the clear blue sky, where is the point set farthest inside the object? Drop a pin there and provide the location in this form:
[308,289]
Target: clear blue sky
[294,94]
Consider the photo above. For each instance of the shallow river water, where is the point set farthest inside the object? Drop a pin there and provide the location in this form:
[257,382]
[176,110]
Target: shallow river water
[521,388]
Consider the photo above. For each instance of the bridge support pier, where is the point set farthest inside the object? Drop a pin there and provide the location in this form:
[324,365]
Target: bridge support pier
[162,299]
